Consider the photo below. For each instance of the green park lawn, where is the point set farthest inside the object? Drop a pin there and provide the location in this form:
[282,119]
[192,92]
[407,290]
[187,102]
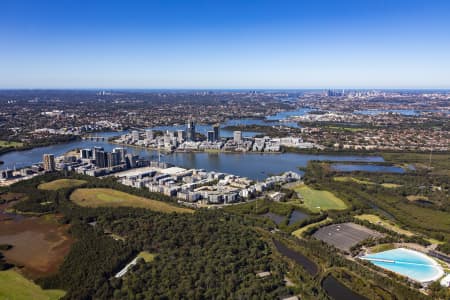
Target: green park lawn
[16,287]
[61,184]
[103,197]
[316,200]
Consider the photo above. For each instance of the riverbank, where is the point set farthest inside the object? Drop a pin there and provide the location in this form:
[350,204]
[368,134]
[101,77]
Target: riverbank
[193,151]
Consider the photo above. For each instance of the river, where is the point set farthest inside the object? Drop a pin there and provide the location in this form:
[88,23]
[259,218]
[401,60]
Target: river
[256,166]
[252,165]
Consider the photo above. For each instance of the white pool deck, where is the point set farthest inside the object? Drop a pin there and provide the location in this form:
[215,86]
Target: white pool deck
[445,282]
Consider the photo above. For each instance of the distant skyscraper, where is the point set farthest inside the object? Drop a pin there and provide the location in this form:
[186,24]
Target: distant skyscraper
[135,135]
[334,93]
[101,159]
[130,160]
[216,129]
[113,159]
[96,149]
[122,152]
[211,136]
[180,136]
[237,136]
[86,153]
[149,134]
[190,130]
[49,162]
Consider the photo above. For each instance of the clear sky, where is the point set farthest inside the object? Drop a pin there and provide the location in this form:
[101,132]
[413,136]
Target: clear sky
[225,44]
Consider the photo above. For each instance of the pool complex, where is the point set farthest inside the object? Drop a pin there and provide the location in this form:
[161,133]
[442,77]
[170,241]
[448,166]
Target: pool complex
[409,263]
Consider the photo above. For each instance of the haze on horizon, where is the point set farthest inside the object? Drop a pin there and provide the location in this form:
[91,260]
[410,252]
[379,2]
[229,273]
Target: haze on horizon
[225,44]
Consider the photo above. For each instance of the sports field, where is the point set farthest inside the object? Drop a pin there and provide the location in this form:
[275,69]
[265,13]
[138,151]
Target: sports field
[316,200]
[98,197]
[374,219]
[16,287]
[61,184]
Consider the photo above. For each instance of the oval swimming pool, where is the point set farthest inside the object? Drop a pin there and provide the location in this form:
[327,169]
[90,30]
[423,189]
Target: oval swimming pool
[409,263]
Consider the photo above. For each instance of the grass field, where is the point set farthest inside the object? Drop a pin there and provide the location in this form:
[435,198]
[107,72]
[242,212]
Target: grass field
[426,218]
[390,185]
[416,197]
[97,197]
[350,179]
[16,287]
[374,219]
[61,184]
[299,232]
[360,181]
[146,256]
[316,200]
[10,144]
[381,248]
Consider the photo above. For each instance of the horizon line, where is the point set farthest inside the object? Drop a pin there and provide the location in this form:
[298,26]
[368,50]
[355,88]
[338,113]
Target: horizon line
[222,89]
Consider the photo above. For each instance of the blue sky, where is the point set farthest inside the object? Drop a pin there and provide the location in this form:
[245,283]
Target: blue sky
[225,44]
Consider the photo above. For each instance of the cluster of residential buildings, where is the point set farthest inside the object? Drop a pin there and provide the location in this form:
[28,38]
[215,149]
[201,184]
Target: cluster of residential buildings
[98,162]
[197,186]
[79,130]
[381,139]
[187,140]
[10,176]
[192,187]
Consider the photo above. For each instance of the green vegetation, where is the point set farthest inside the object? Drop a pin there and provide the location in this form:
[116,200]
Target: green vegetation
[14,286]
[353,179]
[431,220]
[97,197]
[210,253]
[318,200]
[439,162]
[382,247]
[6,144]
[342,128]
[61,184]
[146,256]
[374,219]
[363,181]
[416,197]
[390,185]
[299,232]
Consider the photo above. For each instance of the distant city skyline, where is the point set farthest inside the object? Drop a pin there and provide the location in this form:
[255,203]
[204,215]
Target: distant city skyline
[231,44]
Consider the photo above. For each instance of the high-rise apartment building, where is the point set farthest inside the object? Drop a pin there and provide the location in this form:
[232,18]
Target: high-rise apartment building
[49,163]
[190,130]
[216,130]
[237,136]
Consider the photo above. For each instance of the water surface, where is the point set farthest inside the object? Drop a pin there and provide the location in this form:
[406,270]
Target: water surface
[299,258]
[256,166]
[297,216]
[338,291]
[366,168]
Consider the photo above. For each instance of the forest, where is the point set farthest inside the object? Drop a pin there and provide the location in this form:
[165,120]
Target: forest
[209,254]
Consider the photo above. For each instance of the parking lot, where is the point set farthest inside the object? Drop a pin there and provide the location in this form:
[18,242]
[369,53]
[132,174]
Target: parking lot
[345,235]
